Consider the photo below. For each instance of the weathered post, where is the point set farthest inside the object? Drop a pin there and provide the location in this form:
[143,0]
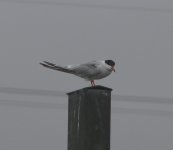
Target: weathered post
[89,114]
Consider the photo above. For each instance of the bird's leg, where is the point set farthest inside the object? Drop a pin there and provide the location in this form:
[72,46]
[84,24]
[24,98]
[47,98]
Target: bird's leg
[92,83]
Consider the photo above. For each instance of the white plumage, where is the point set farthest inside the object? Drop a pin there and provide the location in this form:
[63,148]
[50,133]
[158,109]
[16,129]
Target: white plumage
[90,71]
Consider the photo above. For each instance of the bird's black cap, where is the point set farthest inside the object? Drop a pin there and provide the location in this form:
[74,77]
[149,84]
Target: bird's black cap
[110,62]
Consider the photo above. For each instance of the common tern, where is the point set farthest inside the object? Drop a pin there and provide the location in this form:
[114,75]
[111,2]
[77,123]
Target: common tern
[90,71]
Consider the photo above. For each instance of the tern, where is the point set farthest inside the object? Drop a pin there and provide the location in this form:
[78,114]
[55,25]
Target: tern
[89,71]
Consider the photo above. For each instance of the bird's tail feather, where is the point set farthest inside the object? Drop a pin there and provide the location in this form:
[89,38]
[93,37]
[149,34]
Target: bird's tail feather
[55,67]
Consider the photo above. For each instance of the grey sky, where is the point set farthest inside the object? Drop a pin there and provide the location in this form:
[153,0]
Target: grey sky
[140,41]
[138,34]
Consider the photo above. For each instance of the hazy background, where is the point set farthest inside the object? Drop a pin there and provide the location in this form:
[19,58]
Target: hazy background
[138,34]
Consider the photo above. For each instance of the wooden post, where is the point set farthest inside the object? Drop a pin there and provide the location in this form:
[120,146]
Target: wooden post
[89,114]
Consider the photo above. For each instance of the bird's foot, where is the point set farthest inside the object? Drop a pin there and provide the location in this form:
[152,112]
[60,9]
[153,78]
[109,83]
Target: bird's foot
[93,83]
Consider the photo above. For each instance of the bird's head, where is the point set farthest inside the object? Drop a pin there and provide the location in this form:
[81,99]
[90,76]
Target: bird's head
[111,63]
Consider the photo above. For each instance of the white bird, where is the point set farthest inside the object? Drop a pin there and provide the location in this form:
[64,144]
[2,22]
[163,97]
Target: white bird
[90,71]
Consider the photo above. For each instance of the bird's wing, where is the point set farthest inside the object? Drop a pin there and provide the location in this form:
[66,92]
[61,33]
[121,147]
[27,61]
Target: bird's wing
[87,70]
[55,67]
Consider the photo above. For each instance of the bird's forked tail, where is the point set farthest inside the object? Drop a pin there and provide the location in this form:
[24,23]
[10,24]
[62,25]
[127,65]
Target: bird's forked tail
[55,67]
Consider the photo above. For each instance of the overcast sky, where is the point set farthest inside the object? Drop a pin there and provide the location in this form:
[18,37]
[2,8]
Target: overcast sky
[139,39]
[137,34]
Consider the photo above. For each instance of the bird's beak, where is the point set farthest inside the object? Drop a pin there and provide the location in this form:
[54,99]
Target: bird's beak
[113,68]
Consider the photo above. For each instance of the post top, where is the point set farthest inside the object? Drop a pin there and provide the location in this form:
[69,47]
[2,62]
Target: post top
[97,87]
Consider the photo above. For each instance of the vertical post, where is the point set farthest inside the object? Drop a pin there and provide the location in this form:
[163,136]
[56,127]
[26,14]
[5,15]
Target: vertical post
[89,114]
